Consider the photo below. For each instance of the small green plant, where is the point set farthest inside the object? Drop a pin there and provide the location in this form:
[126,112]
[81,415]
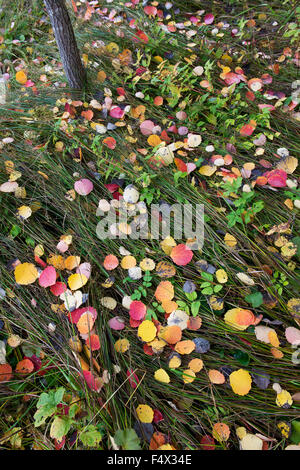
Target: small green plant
[208,287]
[279,281]
[245,208]
[149,194]
[141,290]
[293,32]
[62,417]
[127,439]
[255,299]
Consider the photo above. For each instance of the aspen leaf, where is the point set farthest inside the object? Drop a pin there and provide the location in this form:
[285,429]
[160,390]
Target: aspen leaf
[161,376]
[240,382]
[145,413]
[26,273]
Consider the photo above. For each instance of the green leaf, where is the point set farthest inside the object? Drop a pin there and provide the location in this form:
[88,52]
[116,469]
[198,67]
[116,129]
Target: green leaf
[296,241]
[205,284]
[74,408]
[90,436]
[29,350]
[207,276]
[242,357]
[211,119]
[255,299]
[30,242]
[58,397]
[45,399]
[195,306]
[127,439]
[191,296]
[43,413]
[295,436]
[217,288]
[60,427]
[14,231]
[207,291]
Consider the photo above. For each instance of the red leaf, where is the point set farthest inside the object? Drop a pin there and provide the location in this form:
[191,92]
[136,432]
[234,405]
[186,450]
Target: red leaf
[149,10]
[48,277]
[76,314]
[58,288]
[59,444]
[207,443]
[209,18]
[40,261]
[133,378]
[116,112]
[137,310]
[90,380]
[181,254]
[87,114]
[247,130]
[5,372]
[110,142]
[74,6]
[181,166]
[25,367]
[276,178]
[93,342]
[158,416]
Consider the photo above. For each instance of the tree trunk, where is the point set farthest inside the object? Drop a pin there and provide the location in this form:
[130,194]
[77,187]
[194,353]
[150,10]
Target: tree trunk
[66,42]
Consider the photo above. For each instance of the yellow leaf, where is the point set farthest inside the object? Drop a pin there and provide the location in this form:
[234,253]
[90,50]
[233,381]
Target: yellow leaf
[188,376]
[24,212]
[21,77]
[161,376]
[101,76]
[251,442]
[147,331]
[284,399]
[85,323]
[221,276]
[240,382]
[241,432]
[72,262]
[174,362]
[76,281]
[207,170]
[167,244]
[196,365]
[288,164]
[216,303]
[230,240]
[145,413]
[39,250]
[231,318]
[273,338]
[122,345]
[128,262]
[26,273]
[154,140]
[57,261]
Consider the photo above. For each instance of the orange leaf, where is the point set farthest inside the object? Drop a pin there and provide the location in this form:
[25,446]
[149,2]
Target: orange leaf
[25,367]
[5,372]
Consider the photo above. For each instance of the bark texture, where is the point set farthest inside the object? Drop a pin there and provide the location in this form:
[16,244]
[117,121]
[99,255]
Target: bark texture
[65,38]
